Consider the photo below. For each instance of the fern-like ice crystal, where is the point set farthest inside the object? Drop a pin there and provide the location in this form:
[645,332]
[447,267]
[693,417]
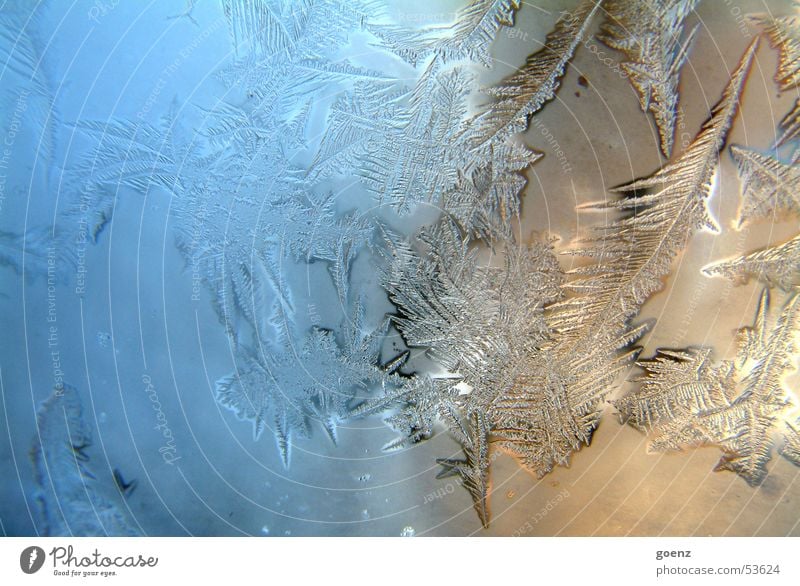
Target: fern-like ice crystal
[685,401]
[650,35]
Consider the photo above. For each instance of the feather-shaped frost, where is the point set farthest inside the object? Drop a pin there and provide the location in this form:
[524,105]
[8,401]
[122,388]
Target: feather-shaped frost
[469,37]
[784,35]
[769,187]
[661,211]
[525,92]
[473,435]
[72,502]
[285,389]
[791,446]
[684,401]
[555,401]
[776,266]
[650,34]
[483,324]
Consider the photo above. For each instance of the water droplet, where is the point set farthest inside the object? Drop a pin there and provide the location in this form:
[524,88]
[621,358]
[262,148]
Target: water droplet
[364,477]
[365,514]
[287,532]
[265,530]
[408,531]
[104,339]
[511,494]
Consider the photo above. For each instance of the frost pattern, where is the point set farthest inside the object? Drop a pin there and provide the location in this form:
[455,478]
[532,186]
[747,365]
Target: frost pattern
[22,52]
[400,146]
[634,252]
[422,146]
[784,35]
[631,255]
[24,68]
[286,388]
[482,324]
[791,446]
[245,211]
[776,266]
[769,187]
[468,38]
[684,401]
[537,392]
[527,355]
[650,35]
[72,501]
[522,94]
[473,470]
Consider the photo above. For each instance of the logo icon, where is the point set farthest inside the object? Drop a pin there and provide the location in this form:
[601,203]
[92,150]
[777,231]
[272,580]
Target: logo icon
[31,559]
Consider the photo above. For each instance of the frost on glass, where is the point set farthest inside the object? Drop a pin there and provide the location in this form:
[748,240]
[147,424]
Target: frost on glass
[769,186]
[523,93]
[776,266]
[525,353]
[245,212]
[468,38]
[72,501]
[784,35]
[287,388]
[686,401]
[769,192]
[650,34]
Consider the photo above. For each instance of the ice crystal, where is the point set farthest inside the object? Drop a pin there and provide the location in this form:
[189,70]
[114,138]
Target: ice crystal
[473,435]
[242,251]
[72,500]
[631,255]
[468,38]
[414,147]
[285,387]
[23,52]
[483,200]
[525,354]
[523,93]
[262,29]
[481,323]
[634,252]
[777,266]
[244,211]
[421,146]
[28,251]
[133,154]
[464,312]
[650,35]
[400,149]
[684,401]
[784,35]
[791,446]
[524,369]
[769,187]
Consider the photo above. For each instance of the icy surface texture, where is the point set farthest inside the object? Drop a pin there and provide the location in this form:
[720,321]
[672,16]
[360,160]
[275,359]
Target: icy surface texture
[312,161]
[686,402]
[72,502]
[650,34]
